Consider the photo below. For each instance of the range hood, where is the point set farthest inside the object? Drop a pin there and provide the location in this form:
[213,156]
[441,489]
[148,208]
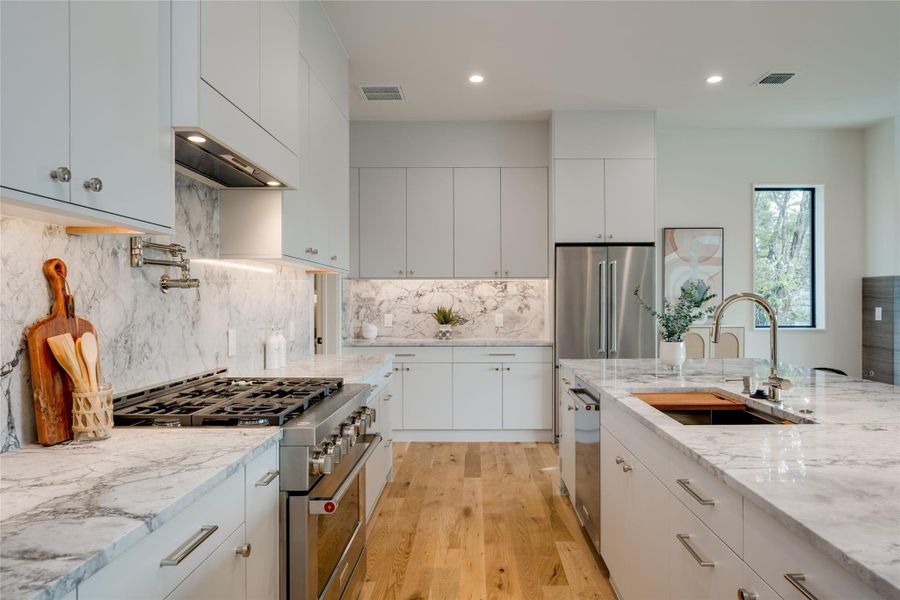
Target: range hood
[198,152]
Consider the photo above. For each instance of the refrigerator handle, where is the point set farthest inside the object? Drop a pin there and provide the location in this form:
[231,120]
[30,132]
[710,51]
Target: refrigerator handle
[602,266]
[614,309]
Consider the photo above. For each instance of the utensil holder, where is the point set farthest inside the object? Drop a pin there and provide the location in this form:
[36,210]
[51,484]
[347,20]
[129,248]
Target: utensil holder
[92,414]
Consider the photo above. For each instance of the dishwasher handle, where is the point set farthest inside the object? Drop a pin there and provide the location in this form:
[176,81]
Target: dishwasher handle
[579,394]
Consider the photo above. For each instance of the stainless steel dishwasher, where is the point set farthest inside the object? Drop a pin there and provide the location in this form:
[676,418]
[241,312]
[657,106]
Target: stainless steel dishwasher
[587,461]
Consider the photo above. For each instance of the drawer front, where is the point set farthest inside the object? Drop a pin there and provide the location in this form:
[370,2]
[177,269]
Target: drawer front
[417,354]
[701,565]
[379,378]
[138,575]
[508,354]
[773,551]
[222,576]
[754,588]
[717,505]
[646,445]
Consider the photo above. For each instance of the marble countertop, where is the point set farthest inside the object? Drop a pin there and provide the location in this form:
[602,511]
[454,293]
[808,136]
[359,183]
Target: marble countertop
[395,341]
[836,483]
[68,510]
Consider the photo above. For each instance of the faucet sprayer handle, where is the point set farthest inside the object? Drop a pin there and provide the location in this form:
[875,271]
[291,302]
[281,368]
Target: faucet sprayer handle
[780,382]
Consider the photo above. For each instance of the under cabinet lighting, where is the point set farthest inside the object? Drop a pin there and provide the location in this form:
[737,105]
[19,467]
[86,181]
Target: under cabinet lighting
[273,183]
[714,79]
[230,264]
[197,139]
[476,78]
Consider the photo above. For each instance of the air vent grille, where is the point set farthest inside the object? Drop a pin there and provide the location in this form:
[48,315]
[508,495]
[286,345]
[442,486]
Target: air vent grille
[775,78]
[382,93]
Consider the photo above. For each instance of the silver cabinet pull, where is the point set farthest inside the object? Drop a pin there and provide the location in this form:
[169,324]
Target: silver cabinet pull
[410,273]
[388,374]
[309,250]
[404,355]
[243,550]
[268,478]
[387,398]
[619,460]
[94,184]
[798,580]
[61,174]
[686,485]
[406,368]
[571,408]
[192,543]
[603,311]
[495,368]
[626,468]
[565,381]
[334,258]
[683,538]
[745,594]
[506,273]
[496,273]
[505,354]
[400,272]
[614,309]
[507,368]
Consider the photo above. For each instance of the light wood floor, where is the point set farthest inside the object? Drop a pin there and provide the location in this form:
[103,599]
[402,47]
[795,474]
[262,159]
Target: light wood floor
[473,521]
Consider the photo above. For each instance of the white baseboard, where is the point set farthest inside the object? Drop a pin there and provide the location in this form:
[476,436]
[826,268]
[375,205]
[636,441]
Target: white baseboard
[473,435]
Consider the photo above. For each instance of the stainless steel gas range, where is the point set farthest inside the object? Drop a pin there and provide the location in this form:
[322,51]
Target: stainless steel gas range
[328,435]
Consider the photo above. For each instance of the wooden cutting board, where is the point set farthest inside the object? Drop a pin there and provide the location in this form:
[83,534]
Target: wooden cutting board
[52,387]
[690,401]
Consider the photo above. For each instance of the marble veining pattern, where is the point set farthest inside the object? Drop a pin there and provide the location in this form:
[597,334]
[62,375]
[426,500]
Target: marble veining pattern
[352,367]
[522,302]
[145,336]
[407,342]
[836,482]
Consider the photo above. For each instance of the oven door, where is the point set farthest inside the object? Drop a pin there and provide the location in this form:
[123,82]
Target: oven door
[325,530]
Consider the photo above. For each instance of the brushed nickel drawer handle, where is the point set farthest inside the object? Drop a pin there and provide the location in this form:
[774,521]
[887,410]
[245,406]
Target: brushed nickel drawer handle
[797,580]
[388,374]
[243,550]
[501,354]
[745,594]
[626,468]
[405,355]
[683,538]
[268,478]
[686,485]
[192,543]
[619,460]
[387,398]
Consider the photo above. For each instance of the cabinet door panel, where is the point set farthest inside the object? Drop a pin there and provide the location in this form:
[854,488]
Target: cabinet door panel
[121,108]
[578,195]
[262,526]
[523,221]
[297,227]
[477,396]
[319,162]
[648,523]
[630,187]
[613,527]
[35,96]
[339,203]
[397,400]
[354,223]
[428,396]
[382,222]
[566,410]
[476,222]
[429,233]
[222,576]
[279,72]
[527,396]
[229,51]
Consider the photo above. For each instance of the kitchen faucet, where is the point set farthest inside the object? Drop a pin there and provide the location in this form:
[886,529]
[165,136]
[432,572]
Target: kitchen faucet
[776,383]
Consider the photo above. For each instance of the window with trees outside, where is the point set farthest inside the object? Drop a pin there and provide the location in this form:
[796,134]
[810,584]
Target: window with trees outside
[784,254]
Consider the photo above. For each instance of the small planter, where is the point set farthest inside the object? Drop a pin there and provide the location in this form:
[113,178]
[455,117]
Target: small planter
[672,354]
[445,332]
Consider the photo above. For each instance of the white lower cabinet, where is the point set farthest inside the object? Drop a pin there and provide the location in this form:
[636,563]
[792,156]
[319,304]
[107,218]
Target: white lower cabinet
[478,396]
[430,386]
[754,588]
[527,389]
[261,484]
[378,468]
[566,411]
[222,576]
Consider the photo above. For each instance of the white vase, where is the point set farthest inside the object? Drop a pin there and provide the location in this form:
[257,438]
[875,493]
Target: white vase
[369,331]
[672,354]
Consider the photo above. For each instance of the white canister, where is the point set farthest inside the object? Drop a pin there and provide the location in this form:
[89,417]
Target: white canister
[369,331]
[672,354]
[273,351]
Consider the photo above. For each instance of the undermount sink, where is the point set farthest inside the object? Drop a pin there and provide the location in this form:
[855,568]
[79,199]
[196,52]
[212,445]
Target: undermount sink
[708,408]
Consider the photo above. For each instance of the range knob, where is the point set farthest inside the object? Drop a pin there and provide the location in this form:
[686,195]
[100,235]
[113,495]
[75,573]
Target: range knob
[348,432]
[358,421]
[370,414]
[320,463]
[329,449]
[340,447]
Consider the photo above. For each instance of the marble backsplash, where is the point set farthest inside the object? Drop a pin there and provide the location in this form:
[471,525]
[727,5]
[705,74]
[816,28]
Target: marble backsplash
[524,304]
[146,337]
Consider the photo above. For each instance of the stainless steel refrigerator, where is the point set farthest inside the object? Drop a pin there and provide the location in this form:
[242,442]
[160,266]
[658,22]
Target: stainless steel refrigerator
[597,315]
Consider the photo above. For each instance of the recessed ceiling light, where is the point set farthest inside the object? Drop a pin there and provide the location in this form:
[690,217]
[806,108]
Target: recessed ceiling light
[714,79]
[197,139]
[476,78]
[273,183]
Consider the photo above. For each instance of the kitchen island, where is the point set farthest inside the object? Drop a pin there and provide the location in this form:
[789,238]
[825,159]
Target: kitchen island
[834,483]
[69,510]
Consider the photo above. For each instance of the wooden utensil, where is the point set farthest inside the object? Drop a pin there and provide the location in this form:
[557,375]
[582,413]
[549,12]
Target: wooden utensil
[52,387]
[63,348]
[90,352]
[81,365]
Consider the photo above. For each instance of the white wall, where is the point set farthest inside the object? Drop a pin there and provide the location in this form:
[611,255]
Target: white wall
[449,144]
[882,162]
[705,178]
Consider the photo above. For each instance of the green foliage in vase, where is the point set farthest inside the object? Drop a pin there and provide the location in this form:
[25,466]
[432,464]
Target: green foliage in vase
[675,320]
[445,316]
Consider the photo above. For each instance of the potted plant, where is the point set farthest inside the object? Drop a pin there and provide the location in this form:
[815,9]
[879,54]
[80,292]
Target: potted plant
[446,319]
[675,320]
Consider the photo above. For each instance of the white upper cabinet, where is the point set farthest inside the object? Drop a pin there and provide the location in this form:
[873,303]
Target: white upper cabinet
[339,205]
[630,185]
[580,204]
[34,83]
[523,221]
[354,223]
[230,51]
[604,134]
[382,222]
[429,234]
[476,221]
[280,71]
[121,141]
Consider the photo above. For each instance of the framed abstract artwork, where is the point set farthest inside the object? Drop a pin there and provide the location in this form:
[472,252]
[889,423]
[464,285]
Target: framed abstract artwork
[693,254]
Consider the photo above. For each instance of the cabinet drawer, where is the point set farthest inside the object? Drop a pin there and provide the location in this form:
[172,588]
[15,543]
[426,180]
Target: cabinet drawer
[717,505]
[774,551]
[646,445]
[510,354]
[222,576]
[412,354]
[137,574]
[379,379]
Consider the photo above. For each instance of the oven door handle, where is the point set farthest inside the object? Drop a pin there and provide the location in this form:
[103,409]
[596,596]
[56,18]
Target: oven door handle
[328,505]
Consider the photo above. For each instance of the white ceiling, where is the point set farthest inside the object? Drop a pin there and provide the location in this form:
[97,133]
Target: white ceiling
[538,56]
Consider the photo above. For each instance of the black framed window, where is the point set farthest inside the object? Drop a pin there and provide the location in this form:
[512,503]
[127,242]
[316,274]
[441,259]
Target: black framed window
[784,254]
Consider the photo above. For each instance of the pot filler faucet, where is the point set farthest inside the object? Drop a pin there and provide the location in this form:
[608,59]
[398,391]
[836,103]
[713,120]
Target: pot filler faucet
[776,383]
